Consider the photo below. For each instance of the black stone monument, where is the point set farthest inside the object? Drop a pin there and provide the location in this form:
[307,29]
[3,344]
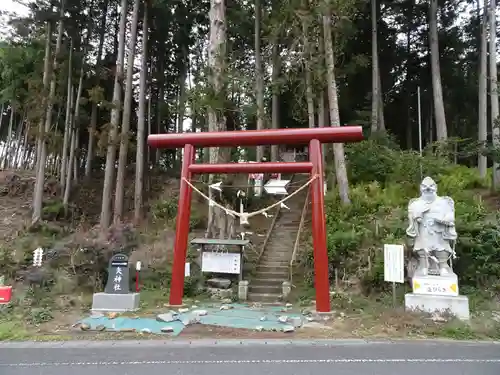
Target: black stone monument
[118,275]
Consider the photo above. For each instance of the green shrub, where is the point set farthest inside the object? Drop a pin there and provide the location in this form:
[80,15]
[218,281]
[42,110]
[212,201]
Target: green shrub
[369,161]
[167,210]
[383,179]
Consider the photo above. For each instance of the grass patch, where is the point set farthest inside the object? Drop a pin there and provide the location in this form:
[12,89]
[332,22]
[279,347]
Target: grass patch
[13,331]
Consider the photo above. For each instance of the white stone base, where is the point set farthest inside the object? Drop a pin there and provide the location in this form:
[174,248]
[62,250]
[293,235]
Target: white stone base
[455,305]
[115,302]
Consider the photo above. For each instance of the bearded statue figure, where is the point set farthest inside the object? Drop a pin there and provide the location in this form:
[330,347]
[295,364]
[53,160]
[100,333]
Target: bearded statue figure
[431,230]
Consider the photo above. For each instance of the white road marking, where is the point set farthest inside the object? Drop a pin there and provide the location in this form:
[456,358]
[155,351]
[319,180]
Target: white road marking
[253,361]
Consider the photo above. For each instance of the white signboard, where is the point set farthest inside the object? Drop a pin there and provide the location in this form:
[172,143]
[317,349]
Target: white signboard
[437,285]
[394,263]
[221,262]
[187,269]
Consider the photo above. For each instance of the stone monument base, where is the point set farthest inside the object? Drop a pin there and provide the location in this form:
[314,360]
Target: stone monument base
[115,302]
[456,305]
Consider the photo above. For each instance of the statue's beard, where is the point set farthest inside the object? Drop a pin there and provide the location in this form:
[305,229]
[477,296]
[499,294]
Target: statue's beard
[428,196]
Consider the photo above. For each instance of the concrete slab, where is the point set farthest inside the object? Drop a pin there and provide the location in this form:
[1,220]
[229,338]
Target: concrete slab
[456,305]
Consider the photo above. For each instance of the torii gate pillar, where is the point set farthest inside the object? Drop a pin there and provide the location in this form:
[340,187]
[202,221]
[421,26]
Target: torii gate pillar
[314,137]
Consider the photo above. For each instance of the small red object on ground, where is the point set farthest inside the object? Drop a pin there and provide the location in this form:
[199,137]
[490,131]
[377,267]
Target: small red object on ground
[5,294]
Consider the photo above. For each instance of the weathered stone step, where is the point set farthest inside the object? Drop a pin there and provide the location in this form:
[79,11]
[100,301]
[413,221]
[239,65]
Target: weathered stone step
[279,246]
[275,268]
[265,289]
[276,258]
[278,251]
[264,297]
[287,226]
[267,281]
[277,263]
[272,273]
[273,260]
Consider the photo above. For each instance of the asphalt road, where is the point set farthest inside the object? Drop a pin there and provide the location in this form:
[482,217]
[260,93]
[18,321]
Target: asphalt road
[353,357]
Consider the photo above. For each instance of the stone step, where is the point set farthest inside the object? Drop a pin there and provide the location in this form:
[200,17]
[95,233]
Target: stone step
[287,224]
[278,251]
[283,259]
[276,263]
[264,297]
[272,258]
[276,276]
[273,268]
[267,281]
[265,289]
[272,273]
[280,245]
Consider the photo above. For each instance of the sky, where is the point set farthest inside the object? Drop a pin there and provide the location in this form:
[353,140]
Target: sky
[11,6]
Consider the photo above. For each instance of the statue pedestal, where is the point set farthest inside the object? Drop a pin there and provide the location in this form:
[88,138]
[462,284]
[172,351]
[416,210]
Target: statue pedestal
[437,294]
[115,302]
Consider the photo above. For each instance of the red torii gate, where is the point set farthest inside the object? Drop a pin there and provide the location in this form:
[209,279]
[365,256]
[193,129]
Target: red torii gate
[312,136]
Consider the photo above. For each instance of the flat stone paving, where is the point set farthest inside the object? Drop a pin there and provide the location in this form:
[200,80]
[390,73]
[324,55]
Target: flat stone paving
[262,318]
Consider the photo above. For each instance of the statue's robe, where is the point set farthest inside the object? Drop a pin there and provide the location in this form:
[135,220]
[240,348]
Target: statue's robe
[432,224]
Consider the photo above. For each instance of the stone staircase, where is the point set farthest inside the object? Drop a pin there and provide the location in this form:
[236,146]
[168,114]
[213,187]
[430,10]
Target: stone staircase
[274,265]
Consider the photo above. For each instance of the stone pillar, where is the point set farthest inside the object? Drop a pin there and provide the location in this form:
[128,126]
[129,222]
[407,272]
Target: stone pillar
[243,290]
[286,288]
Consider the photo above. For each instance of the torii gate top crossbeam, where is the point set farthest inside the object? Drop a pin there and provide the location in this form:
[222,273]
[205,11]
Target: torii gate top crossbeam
[342,134]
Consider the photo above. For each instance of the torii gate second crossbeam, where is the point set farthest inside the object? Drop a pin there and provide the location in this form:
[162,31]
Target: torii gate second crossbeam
[314,137]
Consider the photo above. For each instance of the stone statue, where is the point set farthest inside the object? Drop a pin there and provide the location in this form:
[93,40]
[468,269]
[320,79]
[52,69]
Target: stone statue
[431,231]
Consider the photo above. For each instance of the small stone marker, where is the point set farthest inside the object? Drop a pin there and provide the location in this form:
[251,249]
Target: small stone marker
[117,296]
[118,275]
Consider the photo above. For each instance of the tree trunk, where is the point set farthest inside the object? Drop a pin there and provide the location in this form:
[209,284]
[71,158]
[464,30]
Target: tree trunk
[307,53]
[67,122]
[2,108]
[109,171]
[482,110]
[93,115]
[70,163]
[37,197]
[46,83]
[495,121]
[338,148]
[381,117]
[74,139]
[441,129]
[259,77]
[141,124]
[181,111]
[13,162]
[216,63]
[275,96]
[127,111]
[375,72]
[160,100]
[6,151]
[40,178]
[77,155]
